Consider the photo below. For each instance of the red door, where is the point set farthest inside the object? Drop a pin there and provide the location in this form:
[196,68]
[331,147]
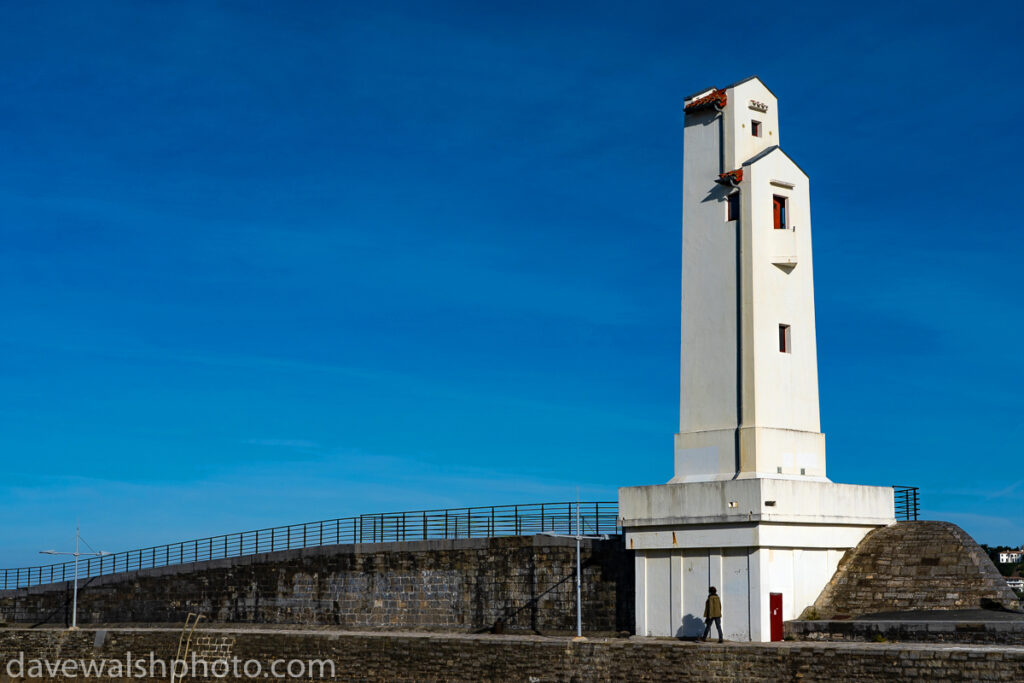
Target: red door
[775,610]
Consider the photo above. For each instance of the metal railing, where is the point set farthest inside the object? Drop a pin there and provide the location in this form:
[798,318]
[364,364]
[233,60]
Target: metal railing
[422,525]
[907,503]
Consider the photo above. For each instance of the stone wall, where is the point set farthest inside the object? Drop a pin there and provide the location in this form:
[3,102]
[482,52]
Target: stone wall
[399,657]
[528,582]
[913,566]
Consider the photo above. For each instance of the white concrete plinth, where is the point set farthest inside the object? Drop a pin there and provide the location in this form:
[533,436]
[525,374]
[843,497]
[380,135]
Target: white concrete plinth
[747,537]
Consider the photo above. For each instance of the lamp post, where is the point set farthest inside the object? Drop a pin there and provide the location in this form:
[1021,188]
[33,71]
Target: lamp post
[76,554]
[579,536]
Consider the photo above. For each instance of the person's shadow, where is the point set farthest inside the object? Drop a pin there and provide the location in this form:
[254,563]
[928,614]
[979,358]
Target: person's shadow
[692,628]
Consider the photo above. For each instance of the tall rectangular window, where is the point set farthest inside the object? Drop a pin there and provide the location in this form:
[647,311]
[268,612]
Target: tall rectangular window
[733,206]
[755,128]
[785,343]
[779,211]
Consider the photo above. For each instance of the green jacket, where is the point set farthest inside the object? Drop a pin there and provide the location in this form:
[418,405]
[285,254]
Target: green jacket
[713,607]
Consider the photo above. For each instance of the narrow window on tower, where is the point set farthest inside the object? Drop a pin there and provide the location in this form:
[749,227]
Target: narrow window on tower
[785,343]
[779,210]
[755,128]
[732,206]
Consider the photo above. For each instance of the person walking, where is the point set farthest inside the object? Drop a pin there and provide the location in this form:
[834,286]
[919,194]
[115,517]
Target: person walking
[712,613]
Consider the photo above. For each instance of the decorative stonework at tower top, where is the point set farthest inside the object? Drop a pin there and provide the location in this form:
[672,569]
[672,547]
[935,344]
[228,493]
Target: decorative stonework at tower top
[749,385]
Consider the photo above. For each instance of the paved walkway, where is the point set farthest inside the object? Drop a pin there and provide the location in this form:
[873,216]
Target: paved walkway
[328,631]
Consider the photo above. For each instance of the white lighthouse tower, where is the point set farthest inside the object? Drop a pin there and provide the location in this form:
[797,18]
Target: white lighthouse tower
[750,509]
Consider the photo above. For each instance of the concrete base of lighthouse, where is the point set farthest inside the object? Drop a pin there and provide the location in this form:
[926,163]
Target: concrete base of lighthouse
[750,538]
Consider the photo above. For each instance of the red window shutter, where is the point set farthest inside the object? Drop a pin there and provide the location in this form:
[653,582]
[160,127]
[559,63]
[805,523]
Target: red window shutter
[777,208]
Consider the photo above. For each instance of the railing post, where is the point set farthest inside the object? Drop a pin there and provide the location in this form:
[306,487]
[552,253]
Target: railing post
[424,526]
[446,524]
[542,529]
[515,519]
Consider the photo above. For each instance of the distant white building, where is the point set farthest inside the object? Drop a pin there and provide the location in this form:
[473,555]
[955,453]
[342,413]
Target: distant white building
[1015,582]
[1011,556]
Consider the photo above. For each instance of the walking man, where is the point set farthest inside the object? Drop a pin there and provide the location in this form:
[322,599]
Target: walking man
[712,613]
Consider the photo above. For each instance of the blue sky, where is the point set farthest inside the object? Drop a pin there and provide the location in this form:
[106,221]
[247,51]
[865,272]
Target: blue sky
[267,263]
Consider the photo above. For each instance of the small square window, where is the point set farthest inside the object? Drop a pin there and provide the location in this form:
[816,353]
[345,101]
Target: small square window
[755,128]
[732,206]
[779,212]
[785,342]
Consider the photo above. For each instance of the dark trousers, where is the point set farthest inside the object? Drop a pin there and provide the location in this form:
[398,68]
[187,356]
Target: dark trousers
[707,626]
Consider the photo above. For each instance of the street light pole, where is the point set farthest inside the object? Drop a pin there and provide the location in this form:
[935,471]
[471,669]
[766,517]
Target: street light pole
[76,554]
[579,572]
[579,536]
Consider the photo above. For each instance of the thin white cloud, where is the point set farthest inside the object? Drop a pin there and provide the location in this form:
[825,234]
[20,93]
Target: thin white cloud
[283,443]
[1006,491]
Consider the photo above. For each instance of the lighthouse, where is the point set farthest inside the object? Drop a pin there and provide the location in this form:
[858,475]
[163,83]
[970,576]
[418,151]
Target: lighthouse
[750,508]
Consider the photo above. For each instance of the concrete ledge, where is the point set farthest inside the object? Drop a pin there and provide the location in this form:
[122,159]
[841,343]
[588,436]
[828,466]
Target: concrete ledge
[765,499]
